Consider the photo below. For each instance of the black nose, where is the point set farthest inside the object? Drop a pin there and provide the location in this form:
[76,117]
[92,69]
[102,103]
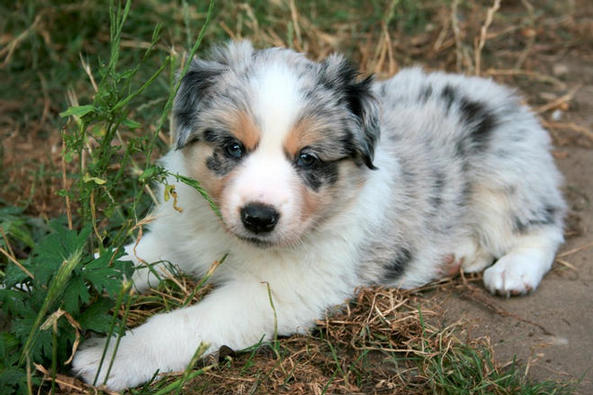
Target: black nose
[259,218]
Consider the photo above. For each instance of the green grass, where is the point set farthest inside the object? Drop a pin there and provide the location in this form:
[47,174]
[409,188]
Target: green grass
[61,278]
[99,78]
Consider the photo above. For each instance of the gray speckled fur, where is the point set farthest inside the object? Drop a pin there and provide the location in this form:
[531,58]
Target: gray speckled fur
[424,174]
[435,203]
[448,143]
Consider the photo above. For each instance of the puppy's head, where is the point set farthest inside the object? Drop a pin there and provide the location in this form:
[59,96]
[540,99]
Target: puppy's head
[280,143]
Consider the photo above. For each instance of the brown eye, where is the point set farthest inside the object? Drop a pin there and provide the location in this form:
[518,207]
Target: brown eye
[306,160]
[234,149]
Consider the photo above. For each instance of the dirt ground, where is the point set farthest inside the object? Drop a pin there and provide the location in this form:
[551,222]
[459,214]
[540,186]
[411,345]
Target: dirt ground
[551,330]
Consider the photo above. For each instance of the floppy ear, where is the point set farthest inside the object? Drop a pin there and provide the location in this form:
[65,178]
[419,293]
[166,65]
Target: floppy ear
[198,81]
[341,76]
[194,87]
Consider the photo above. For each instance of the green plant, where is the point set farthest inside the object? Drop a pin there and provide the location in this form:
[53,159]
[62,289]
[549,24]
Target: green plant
[72,281]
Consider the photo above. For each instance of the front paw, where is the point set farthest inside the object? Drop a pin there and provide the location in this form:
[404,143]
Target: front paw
[129,367]
[513,274]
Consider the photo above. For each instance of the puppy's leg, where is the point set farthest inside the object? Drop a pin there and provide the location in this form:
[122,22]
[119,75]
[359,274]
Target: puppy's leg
[237,314]
[521,226]
[471,256]
[149,262]
[522,268]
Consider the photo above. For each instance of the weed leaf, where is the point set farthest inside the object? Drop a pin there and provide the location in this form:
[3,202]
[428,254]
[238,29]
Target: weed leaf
[78,111]
[97,317]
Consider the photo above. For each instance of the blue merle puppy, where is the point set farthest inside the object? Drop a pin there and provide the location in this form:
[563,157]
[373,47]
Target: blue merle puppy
[327,182]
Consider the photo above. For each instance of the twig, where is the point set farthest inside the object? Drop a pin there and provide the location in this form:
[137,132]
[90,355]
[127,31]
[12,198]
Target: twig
[457,34]
[570,126]
[20,266]
[567,264]
[463,56]
[558,101]
[530,38]
[10,48]
[94,216]
[392,63]
[29,376]
[58,378]
[575,250]
[135,166]
[482,40]
[226,377]
[541,77]
[203,280]
[87,69]
[52,320]
[7,243]
[64,186]
[295,22]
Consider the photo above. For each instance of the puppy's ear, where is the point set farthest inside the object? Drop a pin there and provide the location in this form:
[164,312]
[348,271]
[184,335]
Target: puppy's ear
[235,54]
[194,87]
[341,76]
[199,80]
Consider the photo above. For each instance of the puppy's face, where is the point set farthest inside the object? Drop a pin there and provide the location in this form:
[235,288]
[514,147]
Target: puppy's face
[280,143]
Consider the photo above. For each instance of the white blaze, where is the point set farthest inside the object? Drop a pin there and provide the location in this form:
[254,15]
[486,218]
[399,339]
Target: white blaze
[266,175]
[277,102]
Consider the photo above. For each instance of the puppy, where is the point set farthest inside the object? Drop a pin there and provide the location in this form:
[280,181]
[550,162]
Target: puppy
[327,182]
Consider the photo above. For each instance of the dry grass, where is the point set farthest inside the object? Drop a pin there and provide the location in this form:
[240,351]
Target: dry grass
[517,42]
[384,341]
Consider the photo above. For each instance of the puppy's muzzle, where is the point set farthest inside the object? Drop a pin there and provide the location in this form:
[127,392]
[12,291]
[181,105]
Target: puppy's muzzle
[259,218]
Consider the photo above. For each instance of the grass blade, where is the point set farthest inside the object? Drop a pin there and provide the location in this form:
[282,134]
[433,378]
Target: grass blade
[56,288]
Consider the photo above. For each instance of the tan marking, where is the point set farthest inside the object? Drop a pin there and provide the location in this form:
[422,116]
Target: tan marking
[311,203]
[195,164]
[243,128]
[304,133]
[332,198]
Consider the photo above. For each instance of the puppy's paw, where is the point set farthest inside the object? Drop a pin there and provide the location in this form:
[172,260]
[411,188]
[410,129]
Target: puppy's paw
[128,370]
[513,274]
[471,256]
[477,263]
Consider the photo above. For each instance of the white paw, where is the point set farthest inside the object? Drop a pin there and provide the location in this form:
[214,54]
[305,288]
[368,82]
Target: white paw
[129,367]
[477,263]
[514,274]
[471,256]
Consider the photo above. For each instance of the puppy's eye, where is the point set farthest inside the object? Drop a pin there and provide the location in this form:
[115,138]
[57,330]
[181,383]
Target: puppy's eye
[234,150]
[306,160]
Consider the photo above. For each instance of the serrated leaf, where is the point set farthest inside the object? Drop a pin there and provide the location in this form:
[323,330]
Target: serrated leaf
[56,287]
[15,302]
[54,248]
[75,293]
[97,317]
[13,380]
[15,275]
[78,111]
[13,223]
[102,276]
[8,341]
